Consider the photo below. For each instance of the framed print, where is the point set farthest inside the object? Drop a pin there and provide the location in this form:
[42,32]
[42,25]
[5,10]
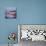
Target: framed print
[10,13]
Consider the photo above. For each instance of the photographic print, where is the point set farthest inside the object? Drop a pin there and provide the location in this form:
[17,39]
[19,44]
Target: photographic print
[10,13]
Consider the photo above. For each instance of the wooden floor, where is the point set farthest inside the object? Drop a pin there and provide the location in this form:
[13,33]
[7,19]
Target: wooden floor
[30,43]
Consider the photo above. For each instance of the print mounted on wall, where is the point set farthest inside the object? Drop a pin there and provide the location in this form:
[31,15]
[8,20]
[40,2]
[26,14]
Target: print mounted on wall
[10,13]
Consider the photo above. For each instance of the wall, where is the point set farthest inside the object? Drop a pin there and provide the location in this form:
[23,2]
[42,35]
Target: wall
[7,25]
[28,12]
[33,12]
